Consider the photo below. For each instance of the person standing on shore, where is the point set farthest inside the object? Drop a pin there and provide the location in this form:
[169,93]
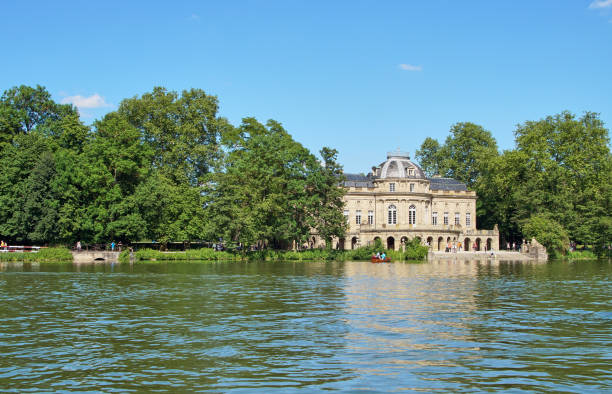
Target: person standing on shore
[112,246]
[78,246]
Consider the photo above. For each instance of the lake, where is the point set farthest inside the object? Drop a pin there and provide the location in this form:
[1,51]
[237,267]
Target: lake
[267,326]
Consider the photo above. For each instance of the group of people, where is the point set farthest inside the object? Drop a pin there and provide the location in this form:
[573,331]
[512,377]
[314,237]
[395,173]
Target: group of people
[454,247]
[515,246]
[380,256]
[112,245]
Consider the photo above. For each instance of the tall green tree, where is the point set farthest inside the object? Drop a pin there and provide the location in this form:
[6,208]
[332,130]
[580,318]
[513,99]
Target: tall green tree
[429,157]
[266,189]
[327,197]
[568,166]
[467,155]
[183,131]
[24,108]
[466,152]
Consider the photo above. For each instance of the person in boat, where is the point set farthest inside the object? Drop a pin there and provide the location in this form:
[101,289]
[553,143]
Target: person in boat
[377,255]
[383,256]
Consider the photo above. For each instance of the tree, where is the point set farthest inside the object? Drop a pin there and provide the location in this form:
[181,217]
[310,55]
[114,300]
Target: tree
[466,152]
[467,155]
[567,165]
[183,131]
[39,213]
[429,157]
[268,188]
[327,215]
[23,108]
[17,163]
[548,232]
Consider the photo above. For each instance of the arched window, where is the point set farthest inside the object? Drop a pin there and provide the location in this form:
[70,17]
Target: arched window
[392,214]
[412,214]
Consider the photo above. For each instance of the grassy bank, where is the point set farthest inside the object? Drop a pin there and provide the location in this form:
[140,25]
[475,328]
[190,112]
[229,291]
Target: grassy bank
[43,255]
[195,254]
[580,255]
[414,253]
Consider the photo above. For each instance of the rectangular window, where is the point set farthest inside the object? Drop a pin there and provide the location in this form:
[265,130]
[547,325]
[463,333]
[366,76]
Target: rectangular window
[468,219]
[346,215]
[412,187]
[358,217]
[434,218]
[392,217]
[446,218]
[370,217]
[391,187]
[457,219]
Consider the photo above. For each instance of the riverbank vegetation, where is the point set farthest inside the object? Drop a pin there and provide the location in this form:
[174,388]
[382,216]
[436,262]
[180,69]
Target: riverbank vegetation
[166,167]
[414,251]
[555,185]
[43,255]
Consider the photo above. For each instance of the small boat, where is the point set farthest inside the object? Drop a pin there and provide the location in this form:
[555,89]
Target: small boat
[379,260]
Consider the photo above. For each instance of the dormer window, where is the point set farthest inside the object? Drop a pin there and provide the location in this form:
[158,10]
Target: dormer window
[410,172]
[392,187]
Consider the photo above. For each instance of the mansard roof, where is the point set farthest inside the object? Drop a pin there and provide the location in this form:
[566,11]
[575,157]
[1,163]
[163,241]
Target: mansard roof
[358,180]
[398,165]
[446,184]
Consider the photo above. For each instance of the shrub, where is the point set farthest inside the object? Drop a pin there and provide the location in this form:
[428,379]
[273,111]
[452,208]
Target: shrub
[44,254]
[548,232]
[415,251]
[581,255]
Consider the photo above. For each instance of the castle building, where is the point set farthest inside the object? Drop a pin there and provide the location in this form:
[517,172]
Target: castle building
[396,202]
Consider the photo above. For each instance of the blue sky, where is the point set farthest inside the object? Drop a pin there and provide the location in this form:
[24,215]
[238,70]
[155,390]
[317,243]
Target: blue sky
[364,77]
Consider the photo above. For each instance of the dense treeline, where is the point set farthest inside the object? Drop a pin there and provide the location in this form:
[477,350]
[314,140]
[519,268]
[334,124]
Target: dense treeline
[165,167]
[554,186]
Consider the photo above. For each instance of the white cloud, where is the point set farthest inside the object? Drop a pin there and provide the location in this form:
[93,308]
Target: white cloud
[93,101]
[410,67]
[600,4]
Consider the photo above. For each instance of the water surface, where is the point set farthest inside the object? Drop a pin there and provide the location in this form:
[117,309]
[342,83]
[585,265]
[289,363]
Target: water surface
[230,327]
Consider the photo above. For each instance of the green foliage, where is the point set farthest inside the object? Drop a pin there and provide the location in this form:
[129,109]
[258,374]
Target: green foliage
[581,255]
[548,232]
[195,254]
[165,166]
[24,109]
[429,156]
[124,256]
[415,251]
[183,131]
[561,168]
[44,255]
[464,155]
[272,191]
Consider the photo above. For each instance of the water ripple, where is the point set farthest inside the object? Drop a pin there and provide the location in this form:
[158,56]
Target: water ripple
[233,327]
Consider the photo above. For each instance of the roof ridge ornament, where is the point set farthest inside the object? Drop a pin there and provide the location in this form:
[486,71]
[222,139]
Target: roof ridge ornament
[398,153]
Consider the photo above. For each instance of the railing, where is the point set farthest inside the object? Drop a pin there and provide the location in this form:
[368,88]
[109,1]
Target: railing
[408,227]
[98,248]
[23,249]
[480,232]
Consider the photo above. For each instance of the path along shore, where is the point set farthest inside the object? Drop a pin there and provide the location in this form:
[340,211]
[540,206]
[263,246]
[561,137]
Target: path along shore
[497,255]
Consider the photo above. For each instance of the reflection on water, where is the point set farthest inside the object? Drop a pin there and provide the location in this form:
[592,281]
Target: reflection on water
[447,326]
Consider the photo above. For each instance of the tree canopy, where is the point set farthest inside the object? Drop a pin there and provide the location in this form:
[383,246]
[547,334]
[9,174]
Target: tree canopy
[164,166]
[560,173]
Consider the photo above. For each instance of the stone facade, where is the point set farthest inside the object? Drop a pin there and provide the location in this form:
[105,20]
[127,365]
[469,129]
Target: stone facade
[396,202]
